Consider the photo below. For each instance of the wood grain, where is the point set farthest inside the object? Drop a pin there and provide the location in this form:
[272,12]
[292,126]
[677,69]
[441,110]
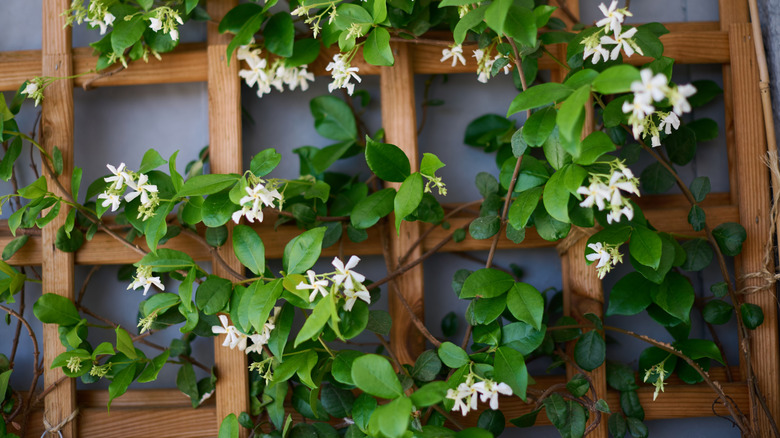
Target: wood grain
[57,130]
[687,43]
[400,122]
[225,154]
[754,212]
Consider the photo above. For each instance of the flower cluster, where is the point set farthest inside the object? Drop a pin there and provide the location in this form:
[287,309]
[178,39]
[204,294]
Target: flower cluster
[276,75]
[657,369]
[342,71]
[607,255]
[484,60]
[655,88]
[343,280]
[467,393]
[256,197]
[143,278]
[611,23]
[606,191]
[98,16]
[234,338]
[34,89]
[138,183]
[314,21]
[165,19]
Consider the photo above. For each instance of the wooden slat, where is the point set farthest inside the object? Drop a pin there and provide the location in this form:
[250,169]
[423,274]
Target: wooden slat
[104,250]
[754,212]
[730,12]
[188,63]
[225,154]
[167,413]
[400,122]
[57,130]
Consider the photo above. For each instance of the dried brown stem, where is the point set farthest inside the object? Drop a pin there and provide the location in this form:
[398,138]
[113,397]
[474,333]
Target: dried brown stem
[88,84]
[430,229]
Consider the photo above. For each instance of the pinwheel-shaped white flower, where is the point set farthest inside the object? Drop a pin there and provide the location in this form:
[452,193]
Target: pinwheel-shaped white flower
[613,17]
[110,199]
[346,275]
[678,97]
[622,41]
[618,181]
[595,193]
[599,253]
[465,398]
[489,390]
[342,72]
[316,286]
[146,282]
[598,52]
[353,295]
[246,211]
[626,210]
[142,188]
[454,52]
[118,177]
[669,122]
[155,24]
[650,88]
[233,338]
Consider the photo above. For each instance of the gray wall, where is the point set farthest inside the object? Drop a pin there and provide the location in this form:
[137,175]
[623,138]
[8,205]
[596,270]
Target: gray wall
[117,124]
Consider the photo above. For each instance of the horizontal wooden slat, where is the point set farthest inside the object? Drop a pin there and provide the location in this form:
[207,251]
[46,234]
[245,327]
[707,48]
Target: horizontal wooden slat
[667,213]
[168,413]
[688,43]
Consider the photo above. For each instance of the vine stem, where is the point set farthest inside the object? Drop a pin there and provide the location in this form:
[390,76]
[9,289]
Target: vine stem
[37,364]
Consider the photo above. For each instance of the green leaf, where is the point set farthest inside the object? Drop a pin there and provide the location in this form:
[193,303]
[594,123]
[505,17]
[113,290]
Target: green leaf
[617,425]
[636,428]
[151,160]
[429,394]
[69,244]
[681,146]
[509,367]
[645,246]
[630,295]
[675,296]
[486,283]
[56,309]
[616,79]
[699,349]
[249,248]
[187,383]
[236,17]
[485,227]
[374,374]
[126,33]
[537,96]
[156,227]
[697,218]
[7,165]
[621,376]
[578,386]
[590,351]
[14,246]
[333,119]
[730,237]
[124,343]
[656,179]
[229,427]
[369,210]
[492,422]
[202,185]
[717,312]
[520,24]
[496,14]
[391,420]
[316,321]
[594,146]
[698,255]
[572,114]
[706,91]
[387,161]
[426,367]
[523,206]
[526,304]
[376,50]
[264,162]
[279,34]
[301,252]
[430,164]
[408,198]
[305,51]
[213,294]
[539,126]
[166,260]
[567,416]
[452,355]
[470,20]
[752,315]
[57,160]
[262,301]
[705,129]
[246,33]
[122,379]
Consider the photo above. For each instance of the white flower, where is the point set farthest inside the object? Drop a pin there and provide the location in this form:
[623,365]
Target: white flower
[141,187]
[31,88]
[256,72]
[613,17]
[455,52]
[455,395]
[119,176]
[109,18]
[598,52]
[599,253]
[174,34]
[233,338]
[342,72]
[353,295]
[489,390]
[316,286]
[102,24]
[260,339]
[639,107]
[345,273]
[110,199]
[619,180]
[465,397]
[678,97]
[146,282]
[249,213]
[622,40]
[650,88]
[259,196]
[617,213]
[669,122]
[655,141]
[156,24]
[595,193]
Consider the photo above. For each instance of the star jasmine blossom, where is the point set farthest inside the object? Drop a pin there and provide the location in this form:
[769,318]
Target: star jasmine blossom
[345,274]
[353,295]
[454,52]
[622,41]
[316,286]
[143,278]
[342,72]
[607,256]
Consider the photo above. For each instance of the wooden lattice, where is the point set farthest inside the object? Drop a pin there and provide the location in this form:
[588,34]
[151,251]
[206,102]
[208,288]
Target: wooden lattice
[145,413]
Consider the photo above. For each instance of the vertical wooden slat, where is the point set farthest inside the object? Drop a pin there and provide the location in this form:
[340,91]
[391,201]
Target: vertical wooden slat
[731,11]
[583,293]
[57,130]
[754,211]
[400,122]
[226,157]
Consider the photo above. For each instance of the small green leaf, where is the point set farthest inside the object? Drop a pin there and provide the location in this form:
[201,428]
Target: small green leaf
[730,237]
[408,198]
[752,315]
[151,160]
[213,294]
[229,427]
[376,50]
[452,355]
[387,161]
[264,162]
[369,210]
[616,79]
[510,368]
[590,351]
[279,34]
[374,374]
[717,312]
[539,95]
[14,246]
[526,304]
[645,246]
[301,252]
[55,309]
[124,343]
[249,248]
[487,283]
